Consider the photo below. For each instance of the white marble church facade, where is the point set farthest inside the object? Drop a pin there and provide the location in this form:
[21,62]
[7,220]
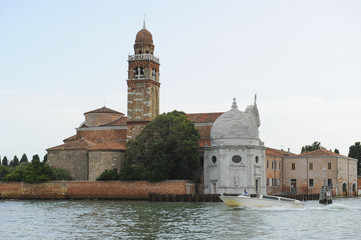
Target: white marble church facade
[235,160]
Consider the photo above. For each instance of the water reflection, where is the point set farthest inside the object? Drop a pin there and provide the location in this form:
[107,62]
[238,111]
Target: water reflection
[152,220]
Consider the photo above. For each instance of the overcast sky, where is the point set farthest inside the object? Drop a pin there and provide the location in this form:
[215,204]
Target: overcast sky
[60,59]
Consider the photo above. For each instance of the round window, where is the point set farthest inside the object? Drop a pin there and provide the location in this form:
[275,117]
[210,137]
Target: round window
[214,159]
[257,159]
[236,159]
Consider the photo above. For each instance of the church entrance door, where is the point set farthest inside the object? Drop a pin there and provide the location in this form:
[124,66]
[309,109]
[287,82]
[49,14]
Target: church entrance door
[257,182]
[214,188]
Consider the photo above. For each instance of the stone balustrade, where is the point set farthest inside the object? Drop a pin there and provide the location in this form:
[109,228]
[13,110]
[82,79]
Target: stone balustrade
[146,56]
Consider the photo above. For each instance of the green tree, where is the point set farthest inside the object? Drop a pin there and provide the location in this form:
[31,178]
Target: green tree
[37,171]
[24,158]
[35,157]
[309,148]
[33,172]
[16,174]
[167,148]
[355,152]
[45,159]
[4,170]
[109,175]
[5,161]
[15,161]
[336,151]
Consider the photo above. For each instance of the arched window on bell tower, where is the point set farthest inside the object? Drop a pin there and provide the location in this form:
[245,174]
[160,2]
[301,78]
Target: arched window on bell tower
[139,72]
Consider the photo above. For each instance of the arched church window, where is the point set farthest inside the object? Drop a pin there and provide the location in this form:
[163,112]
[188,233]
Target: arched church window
[257,159]
[214,159]
[236,159]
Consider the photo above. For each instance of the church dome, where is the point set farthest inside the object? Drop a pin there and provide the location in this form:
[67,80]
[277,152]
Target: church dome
[235,125]
[144,36]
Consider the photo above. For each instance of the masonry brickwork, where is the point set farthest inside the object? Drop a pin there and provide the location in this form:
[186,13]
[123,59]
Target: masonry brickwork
[92,189]
[75,161]
[99,161]
[104,134]
[273,166]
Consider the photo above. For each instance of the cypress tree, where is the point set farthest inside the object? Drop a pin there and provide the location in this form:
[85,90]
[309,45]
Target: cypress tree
[24,158]
[16,161]
[355,152]
[5,161]
[36,158]
[45,159]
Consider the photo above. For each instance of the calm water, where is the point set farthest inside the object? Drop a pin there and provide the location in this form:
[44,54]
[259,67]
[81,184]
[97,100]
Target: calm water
[147,220]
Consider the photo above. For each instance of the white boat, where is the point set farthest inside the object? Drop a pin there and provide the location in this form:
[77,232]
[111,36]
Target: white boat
[261,201]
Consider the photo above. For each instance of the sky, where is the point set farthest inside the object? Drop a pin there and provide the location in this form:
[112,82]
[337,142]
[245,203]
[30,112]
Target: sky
[60,59]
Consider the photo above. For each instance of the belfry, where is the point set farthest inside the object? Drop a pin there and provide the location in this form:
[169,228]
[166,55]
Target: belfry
[143,84]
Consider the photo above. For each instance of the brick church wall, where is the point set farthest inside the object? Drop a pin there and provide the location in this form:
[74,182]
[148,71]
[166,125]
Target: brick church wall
[103,135]
[99,161]
[75,161]
[91,189]
[97,119]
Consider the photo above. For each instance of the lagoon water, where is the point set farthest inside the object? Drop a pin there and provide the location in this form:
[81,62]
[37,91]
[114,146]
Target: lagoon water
[176,220]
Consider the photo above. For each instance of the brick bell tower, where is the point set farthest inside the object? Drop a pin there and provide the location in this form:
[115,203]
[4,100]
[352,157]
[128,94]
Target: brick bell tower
[143,84]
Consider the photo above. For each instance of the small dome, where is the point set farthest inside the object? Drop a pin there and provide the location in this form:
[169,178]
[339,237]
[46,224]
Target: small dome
[235,124]
[144,36]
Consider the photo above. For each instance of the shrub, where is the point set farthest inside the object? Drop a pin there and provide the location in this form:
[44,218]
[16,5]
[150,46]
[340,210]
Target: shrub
[109,175]
[33,172]
[15,176]
[132,172]
[60,174]
[37,172]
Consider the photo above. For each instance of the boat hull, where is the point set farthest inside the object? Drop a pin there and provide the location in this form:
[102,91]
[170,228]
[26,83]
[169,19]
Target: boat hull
[245,201]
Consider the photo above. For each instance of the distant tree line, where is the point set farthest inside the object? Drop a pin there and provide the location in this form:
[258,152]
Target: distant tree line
[30,172]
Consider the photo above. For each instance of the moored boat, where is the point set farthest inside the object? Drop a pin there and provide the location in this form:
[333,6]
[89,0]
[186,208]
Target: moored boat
[261,201]
[326,192]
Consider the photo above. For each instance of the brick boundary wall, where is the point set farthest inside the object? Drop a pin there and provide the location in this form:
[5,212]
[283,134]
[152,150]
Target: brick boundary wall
[92,189]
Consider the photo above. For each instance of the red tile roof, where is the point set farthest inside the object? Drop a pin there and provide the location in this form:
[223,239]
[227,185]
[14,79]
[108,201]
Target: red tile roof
[104,110]
[74,145]
[203,117]
[111,145]
[72,138]
[83,125]
[320,152]
[276,152]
